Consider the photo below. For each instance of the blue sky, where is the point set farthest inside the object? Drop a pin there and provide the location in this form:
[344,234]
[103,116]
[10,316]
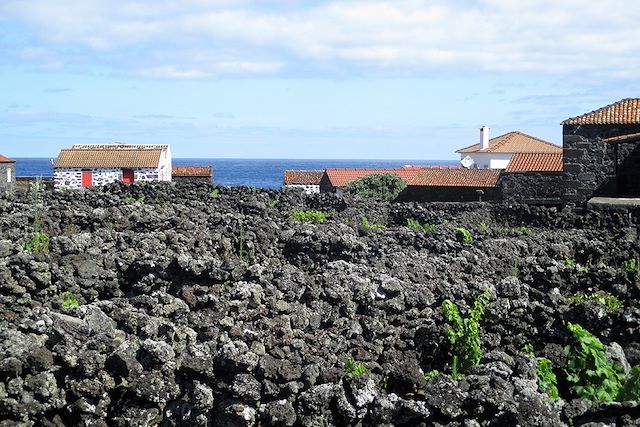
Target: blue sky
[401,79]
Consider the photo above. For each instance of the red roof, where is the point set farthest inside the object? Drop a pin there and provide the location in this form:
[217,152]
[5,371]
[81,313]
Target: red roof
[623,112]
[514,142]
[192,171]
[431,177]
[4,159]
[535,162]
[302,177]
[340,177]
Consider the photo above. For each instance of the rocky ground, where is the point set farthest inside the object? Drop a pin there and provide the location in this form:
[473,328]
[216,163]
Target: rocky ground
[201,307]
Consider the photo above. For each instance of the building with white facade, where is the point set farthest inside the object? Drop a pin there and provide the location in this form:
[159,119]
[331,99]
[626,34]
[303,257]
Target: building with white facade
[88,165]
[496,153]
[307,180]
[7,174]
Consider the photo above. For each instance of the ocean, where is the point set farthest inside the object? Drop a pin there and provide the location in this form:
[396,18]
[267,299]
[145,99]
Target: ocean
[262,173]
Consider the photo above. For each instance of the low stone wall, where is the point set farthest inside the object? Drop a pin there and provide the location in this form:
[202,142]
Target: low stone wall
[532,187]
[449,194]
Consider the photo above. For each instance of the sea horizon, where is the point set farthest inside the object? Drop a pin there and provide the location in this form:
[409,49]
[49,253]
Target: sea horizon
[261,173]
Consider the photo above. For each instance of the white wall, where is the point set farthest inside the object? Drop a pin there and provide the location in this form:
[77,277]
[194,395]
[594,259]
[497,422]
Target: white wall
[164,166]
[309,189]
[72,177]
[489,160]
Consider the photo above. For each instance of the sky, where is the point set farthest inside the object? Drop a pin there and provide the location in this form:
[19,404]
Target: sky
[350,79]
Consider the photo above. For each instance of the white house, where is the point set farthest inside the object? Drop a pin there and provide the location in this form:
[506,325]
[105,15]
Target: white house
[87,165]
[496,153]
[308,180]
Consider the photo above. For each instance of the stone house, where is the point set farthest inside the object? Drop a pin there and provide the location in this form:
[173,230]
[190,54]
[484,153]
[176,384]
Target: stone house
[496,153]
[7,174]
[308,180]
[602,153]
[87,165]
[453,185]
[197,174]
[533,178]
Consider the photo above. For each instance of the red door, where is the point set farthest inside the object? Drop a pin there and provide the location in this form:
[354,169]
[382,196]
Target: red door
[87,178]
[127,176]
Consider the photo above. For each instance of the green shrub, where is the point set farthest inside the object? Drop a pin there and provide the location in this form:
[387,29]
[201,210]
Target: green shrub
[131,200]
[588,371]
[309,216]
[464,334]
[215,193]
[608,301]
[69,300]
[383,186]
[364,223]
[547,379]
[414,224]
[464,233]
[355,368]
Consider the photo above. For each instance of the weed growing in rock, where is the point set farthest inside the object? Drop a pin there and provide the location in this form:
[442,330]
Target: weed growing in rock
[632,265]
[464,334]
[309,216]
[547,379]
[484,227]
[39,242]
[528,348]
[569,262]
[608,301]
[431,375]
[365,224]
[69,300]
[131,200]
[631,389]
[515,268]
[464,233]
[588,371]
[355,368]
[215,193]
[415,225]
[273,203]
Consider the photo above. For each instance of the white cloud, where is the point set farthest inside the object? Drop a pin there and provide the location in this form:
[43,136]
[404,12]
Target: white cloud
[406,35]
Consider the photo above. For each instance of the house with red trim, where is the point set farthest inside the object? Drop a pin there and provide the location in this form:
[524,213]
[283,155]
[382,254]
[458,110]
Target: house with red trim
[88,165]
[307,180]
[496,153]
[7,174]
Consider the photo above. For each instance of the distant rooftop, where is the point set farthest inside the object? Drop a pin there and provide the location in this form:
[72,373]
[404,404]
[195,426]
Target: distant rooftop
[340,177]
[4,159]
[478,178]
[623,112]
[192,171]
[535,162]
[100,158]
[302,177]
[514,142]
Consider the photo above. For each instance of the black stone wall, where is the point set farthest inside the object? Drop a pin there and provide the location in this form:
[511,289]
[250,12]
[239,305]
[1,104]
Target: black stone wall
[589,162]
[194,179]
[448,194]
[6,186]
[532,187]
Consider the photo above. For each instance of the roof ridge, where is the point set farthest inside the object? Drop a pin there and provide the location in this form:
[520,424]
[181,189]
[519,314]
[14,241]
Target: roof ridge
[601,109]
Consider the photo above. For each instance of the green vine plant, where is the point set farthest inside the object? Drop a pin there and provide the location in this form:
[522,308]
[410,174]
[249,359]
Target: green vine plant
[355,368]
[69,300]
[547,379]
[416,225]
[632,265]
[588,371]
[309,216]
[464,334]
[366,225]
[464,233]
[610,302]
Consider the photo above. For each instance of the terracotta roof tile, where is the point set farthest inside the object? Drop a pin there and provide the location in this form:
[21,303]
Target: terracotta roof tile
[4,159]
[623,112]
[535,162]
[302,177]
[100,158]
[479,178]
[340,177]
[632,137]
[192,171]
[514,142]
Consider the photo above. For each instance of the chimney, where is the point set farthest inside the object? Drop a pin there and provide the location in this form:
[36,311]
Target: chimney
[484,138]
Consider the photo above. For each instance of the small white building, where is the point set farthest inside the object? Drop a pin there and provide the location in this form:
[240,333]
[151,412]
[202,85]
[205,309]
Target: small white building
[87,165]
[308,180]
[496,153]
